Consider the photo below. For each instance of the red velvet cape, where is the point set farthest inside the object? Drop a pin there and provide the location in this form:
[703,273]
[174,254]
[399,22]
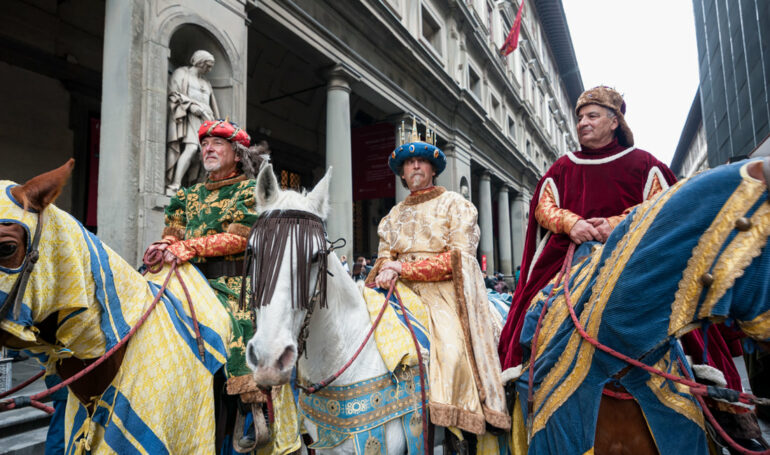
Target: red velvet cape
[613,180]
[588,190]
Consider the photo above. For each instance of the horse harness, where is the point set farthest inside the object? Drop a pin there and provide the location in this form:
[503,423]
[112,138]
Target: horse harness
[269,235]
[14,297]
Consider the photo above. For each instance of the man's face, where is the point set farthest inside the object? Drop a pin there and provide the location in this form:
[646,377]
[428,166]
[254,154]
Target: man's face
[595,129]
[418,173]
[218,155]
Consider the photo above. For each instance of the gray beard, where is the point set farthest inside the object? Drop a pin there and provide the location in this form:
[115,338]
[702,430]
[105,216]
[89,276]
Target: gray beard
[211,167]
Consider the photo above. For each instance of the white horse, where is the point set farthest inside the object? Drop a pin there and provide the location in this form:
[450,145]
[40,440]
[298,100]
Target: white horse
[333,333]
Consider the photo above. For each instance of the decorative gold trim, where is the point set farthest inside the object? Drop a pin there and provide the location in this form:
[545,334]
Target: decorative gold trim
[705,252]
[446,415]
[671,399]
[424,195]
[757,328]
[558,312]
[462,313]
[737,256]
[553,398]
[215,185]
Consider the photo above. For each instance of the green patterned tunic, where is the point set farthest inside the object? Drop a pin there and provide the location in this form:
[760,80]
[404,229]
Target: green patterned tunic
[204,209]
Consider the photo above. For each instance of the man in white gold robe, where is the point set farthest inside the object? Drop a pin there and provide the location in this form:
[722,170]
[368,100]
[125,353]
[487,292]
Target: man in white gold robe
[429,242]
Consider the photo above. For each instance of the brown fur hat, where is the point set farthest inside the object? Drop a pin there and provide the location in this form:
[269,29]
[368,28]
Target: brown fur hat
[611,99]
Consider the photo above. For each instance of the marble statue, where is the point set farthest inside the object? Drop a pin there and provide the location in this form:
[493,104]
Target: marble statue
[191,102]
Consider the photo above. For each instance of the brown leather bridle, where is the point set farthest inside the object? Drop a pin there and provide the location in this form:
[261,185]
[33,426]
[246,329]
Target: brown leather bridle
[13,299]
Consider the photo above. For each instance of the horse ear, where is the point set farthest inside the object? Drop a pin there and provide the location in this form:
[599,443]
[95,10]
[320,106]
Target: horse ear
[319,197]
[42,190]
[267,188]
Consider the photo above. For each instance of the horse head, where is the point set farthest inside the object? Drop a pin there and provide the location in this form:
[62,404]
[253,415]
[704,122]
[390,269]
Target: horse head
[290,257]
[21,209]
[34,196]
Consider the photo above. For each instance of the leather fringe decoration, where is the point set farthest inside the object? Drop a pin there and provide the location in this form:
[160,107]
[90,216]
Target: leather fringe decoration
[294,234]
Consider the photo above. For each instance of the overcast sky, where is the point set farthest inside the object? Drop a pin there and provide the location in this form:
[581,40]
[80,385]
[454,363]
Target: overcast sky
[647,51]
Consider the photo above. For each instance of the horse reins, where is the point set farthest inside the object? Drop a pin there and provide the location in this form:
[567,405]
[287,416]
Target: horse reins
[698,390]
[154,263]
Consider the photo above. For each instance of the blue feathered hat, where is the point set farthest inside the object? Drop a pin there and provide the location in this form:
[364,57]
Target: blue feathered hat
[417,148]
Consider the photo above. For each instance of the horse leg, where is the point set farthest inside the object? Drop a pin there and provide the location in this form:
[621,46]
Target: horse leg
[621,429]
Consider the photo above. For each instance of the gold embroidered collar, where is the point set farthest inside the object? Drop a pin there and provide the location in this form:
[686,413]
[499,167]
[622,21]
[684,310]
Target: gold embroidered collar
[215,185]
[418,197]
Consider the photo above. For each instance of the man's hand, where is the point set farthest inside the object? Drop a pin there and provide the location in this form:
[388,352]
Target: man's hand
[583,231]
[385,278]
[169,258]
[603,226]
[391,265]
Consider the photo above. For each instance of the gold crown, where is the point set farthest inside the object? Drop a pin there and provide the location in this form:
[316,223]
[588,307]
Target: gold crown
[414,135]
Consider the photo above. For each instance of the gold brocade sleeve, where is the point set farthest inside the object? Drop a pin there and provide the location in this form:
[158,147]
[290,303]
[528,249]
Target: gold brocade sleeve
[655,189]
[221,244]
[553,218]
[437,268]
[463,227]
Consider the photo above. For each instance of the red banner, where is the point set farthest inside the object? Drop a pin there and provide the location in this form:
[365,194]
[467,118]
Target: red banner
[371,146]
[512,40]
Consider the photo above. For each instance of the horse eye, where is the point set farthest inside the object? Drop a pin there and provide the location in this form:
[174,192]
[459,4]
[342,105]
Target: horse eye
[316,257]
[7,249]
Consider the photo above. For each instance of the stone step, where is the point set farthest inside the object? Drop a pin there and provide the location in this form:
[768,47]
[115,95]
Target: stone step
[28,443]
[23,431]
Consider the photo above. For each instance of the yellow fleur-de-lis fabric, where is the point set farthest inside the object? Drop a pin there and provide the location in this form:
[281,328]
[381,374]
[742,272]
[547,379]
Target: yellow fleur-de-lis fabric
[161,399]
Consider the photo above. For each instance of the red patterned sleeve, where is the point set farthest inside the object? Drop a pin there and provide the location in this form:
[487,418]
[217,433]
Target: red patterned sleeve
[437,268]
[221,244]
[553,218]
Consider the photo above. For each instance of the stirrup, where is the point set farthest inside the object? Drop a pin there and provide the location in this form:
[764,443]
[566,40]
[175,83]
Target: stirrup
[261,431]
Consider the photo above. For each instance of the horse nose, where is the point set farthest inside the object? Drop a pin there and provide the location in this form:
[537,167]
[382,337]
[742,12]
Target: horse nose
[251,356]
[287,358]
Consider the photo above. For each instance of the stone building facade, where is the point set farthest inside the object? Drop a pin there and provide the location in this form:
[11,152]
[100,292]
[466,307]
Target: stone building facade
[325,82]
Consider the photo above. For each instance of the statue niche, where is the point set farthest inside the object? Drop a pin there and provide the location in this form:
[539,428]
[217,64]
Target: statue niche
[191,102]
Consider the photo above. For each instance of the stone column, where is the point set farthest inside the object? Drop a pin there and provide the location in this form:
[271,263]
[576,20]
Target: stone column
[121,119]
[519,215]
[503,227]
[338,155]
[486,243]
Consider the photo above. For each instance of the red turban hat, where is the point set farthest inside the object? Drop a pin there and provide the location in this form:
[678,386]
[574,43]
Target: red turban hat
[224,129]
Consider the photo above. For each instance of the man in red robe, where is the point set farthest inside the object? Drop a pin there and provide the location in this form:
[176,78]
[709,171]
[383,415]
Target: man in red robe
[581,198]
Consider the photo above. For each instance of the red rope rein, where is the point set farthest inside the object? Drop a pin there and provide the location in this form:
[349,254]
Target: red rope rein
[696,389]
[424,410]
[154,264]
[320,385]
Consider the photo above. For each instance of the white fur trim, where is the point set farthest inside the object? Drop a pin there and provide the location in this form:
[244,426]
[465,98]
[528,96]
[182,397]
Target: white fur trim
[608,159]
[549,182]
[709,373]
[541,239]
[540,247]
[512,374]
[654,172]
